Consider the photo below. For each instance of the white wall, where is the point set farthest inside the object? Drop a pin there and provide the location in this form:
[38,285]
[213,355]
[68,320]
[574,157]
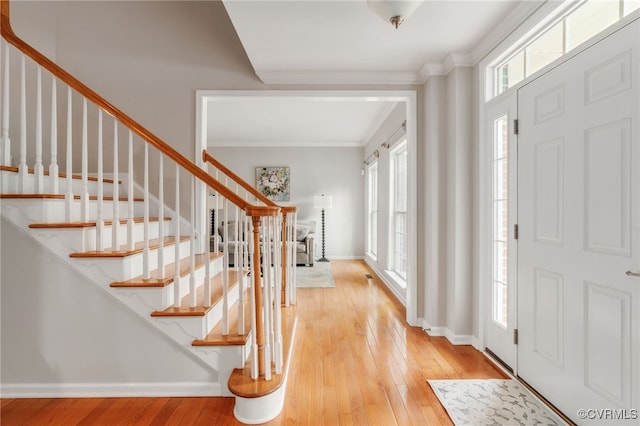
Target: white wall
[331,171]
[59,328]
[146,69]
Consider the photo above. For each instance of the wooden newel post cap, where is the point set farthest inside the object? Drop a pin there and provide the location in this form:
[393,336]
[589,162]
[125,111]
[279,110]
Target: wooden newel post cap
[262,211]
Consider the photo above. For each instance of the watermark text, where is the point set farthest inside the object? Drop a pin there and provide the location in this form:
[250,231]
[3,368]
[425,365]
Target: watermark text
[608,414]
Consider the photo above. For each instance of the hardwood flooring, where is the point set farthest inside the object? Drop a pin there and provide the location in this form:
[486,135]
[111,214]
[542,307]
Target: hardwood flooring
[355,362]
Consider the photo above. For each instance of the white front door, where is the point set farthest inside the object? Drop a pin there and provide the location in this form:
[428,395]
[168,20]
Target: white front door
[579,232]
[502,291]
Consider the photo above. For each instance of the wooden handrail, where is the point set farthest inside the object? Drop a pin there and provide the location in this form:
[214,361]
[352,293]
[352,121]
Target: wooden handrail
[208,158]
[7,33]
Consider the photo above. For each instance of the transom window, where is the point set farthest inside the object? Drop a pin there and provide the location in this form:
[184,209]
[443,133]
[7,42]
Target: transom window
[573,28]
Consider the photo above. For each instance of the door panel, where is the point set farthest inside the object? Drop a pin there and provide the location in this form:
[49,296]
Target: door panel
[579,223]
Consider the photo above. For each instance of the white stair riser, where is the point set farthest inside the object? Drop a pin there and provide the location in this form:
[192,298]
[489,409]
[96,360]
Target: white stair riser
[11,185]
[125,268]
[199,276]
[161,298]
[199,327]
[53,210]
[85,239]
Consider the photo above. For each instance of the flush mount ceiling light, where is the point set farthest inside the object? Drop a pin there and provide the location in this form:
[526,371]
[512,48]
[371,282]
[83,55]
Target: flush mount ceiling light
[394,11]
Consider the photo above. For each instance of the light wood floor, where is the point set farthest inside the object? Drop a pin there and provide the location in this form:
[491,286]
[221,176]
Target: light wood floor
[355,362]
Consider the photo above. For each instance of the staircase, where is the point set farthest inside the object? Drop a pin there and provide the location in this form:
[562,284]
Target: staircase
[121,226]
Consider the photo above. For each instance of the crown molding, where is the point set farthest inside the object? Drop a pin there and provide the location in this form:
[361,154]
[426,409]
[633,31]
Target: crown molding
[284,144]
[455,60]
[431,70]
[339,77]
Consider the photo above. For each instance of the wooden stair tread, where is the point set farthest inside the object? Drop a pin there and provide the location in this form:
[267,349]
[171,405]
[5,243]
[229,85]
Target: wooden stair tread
[184,310]
[240,382]
[139,247]
[60,175]
[62,197]
[215,336]
[91,224]
[155,281]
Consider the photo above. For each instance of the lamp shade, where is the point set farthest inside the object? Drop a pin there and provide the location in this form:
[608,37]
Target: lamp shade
[322,201]
[394,11]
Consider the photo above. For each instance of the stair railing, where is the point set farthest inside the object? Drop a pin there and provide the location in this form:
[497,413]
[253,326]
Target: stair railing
[261,253]
[288,218]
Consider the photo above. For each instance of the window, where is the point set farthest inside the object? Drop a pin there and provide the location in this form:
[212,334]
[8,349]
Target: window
[399,171]
[372,207]
[500,219]
[575,27]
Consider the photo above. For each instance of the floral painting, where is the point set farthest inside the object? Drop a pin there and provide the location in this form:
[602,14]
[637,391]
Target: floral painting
[273,182]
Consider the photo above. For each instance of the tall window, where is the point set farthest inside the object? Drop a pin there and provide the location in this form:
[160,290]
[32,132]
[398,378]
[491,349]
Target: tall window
[399,210]
[500,219]
[372,240]
[576,26]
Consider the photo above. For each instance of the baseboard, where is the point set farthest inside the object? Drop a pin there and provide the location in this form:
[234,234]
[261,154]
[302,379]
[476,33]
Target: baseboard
[455,339]
[107,390]
[387,282]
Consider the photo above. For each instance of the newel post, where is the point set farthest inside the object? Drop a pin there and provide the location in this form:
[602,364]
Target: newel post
[257,213]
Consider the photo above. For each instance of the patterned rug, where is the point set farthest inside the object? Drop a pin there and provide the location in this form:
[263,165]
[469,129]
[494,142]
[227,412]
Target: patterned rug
[319,275]
[492,402]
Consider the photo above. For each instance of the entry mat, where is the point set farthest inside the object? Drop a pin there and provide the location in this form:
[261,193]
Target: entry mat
[492,402]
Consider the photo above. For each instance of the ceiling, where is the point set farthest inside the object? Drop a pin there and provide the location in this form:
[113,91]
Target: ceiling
[343,42]
[294,121]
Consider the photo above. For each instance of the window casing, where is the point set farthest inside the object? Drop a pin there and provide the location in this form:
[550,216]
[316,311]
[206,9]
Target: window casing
[571,29]
[399,172]
[372,210]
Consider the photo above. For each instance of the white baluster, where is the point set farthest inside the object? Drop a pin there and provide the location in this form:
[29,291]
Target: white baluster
[266,305]
[254,343]
[22,167]
[6,142]
[68,198]
[130,223]
[225,269]
[277,302]
[84,193]
[292,262]
[115,216]
[38,168]
[192,254]
[161,273]
[207,260]
[146,251]
[243,264]
[100,201]
[53,165]
[176,224]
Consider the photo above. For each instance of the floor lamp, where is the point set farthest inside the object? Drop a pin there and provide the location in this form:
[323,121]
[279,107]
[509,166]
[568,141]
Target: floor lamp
[322,202]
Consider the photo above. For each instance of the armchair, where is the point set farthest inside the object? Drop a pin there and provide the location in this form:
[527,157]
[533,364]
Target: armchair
[305,242]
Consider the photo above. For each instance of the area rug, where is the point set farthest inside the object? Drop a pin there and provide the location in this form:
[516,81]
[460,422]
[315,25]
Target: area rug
[492,402]
[317,276]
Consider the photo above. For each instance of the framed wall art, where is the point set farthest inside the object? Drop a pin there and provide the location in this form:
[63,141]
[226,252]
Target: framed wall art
[273,182]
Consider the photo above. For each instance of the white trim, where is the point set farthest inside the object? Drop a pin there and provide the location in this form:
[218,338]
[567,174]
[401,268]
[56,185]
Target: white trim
[455,60]
[454,339]
[281,143]
[512,23]
[398,292]
[407,96]
[338,77]
[106,390]
[431,70]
